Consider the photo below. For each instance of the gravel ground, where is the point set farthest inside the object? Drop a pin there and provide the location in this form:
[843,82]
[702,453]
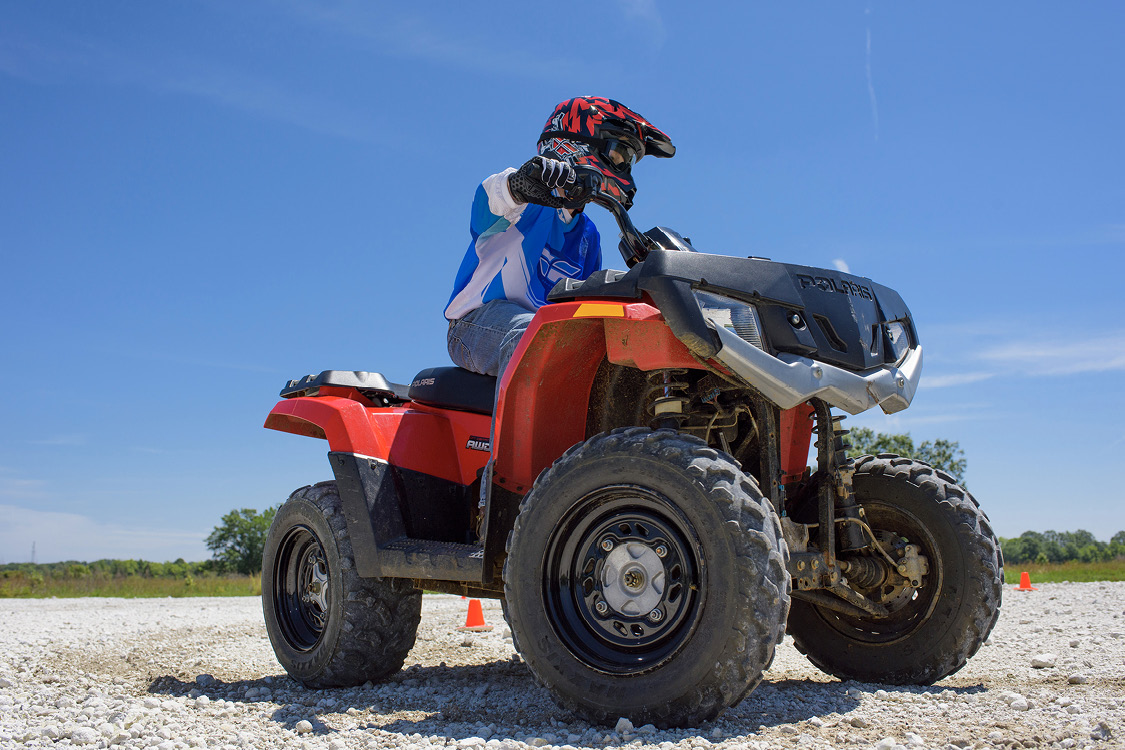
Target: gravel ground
[180,673]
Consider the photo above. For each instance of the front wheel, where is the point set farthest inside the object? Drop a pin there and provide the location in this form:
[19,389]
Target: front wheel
[932,629]
[646,578]
[328,626]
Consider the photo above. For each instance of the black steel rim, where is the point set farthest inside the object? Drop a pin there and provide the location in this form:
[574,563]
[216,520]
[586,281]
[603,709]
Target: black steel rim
[301,588]
[649,528]
[910,608]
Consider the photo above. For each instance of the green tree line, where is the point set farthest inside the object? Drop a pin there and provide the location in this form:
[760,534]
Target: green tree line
[236,543]
[73,569]
[1061,546]
[941,453]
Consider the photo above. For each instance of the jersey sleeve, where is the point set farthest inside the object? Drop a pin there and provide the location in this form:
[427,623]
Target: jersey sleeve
[494,208]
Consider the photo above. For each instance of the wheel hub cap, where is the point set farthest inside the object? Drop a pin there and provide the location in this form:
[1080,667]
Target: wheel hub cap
[633,579]
[317,589]
[622,579]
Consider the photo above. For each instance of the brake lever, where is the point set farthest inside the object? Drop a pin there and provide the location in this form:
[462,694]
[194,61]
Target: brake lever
[582,191]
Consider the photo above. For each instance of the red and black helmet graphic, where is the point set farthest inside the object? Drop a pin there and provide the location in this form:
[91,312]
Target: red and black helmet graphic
[606,135]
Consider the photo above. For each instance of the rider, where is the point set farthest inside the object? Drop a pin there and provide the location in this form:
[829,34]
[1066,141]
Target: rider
[526,238]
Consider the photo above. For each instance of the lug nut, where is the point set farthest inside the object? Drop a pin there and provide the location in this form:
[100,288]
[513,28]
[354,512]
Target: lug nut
[601,608]
[661,550]
[655,615]
[607,544]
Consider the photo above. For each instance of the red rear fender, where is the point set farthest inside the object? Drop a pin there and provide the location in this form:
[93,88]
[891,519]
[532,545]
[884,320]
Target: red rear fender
[343,422]
[414,436]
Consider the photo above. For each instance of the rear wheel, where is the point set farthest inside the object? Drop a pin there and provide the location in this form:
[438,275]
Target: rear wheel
[933,628]
[328,626]
[646,578]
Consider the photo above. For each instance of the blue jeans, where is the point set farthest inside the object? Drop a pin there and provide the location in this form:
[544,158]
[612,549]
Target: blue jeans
[485,339]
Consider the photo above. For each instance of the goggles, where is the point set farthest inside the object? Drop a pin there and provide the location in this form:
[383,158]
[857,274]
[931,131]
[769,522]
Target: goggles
[620,155]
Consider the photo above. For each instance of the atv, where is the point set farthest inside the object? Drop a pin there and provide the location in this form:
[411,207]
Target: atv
[640,500]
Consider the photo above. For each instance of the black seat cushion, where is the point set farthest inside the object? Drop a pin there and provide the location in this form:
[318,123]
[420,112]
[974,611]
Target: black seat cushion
[454,388]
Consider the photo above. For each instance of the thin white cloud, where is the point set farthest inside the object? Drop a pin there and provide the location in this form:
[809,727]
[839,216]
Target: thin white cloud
[871,85]
[963,378]
[963,416]
[913,422]
[72,58]
[16,488]
[70,536]
[646,12]
[71,441]
[1060,356]
[841,265]
[983,353]
[257,96]
[397,33]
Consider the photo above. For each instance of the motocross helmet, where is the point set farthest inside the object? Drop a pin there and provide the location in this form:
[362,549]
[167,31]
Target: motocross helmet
[606,135]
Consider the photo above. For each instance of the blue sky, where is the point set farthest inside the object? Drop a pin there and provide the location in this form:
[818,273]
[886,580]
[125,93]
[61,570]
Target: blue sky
[200,201]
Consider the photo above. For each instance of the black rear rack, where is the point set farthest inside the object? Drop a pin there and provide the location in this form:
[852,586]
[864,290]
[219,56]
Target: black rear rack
[371,384]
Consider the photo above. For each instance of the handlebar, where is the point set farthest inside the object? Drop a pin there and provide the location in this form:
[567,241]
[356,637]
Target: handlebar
[634,246]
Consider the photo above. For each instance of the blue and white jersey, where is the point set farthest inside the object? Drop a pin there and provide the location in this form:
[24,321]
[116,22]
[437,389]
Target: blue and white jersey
[520,251]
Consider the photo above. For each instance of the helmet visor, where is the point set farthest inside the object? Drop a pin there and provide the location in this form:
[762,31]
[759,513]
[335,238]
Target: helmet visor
[620,154]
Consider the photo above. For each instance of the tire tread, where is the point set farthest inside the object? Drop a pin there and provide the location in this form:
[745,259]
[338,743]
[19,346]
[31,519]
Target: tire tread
[763,581]
[380,615]
[985,590]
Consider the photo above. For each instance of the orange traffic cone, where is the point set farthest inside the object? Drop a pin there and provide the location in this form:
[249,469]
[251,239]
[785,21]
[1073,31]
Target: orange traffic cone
[474,621]
[1025,583]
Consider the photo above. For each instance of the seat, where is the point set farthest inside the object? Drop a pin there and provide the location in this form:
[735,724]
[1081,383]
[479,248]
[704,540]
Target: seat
[454,388]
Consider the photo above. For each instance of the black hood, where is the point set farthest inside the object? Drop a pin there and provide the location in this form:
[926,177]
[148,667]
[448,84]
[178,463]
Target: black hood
[839,314]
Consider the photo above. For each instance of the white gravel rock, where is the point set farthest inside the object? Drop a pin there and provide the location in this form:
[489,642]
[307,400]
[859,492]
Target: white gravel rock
[200,673]
[1044,661]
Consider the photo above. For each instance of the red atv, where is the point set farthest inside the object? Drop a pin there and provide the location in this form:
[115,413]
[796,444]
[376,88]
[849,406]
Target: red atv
[647,518]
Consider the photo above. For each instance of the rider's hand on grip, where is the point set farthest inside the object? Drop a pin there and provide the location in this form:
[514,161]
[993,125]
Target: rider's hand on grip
[534,181]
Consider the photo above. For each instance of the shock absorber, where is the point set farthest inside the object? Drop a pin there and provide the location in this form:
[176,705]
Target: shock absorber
[666,398]
[838,469]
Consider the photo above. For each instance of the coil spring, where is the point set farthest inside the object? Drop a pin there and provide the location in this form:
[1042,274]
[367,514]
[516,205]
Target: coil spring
[839,444]
[666,397]
[834,449]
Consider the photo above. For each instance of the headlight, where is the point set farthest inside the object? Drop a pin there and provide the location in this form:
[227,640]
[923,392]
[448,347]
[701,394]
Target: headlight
[733,315]
[898,337]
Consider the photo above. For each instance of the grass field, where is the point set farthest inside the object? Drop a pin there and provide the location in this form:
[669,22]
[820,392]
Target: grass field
[16,584]
[1113,570]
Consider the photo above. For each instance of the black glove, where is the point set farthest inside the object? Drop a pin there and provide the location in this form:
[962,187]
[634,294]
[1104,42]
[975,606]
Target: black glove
[534,181]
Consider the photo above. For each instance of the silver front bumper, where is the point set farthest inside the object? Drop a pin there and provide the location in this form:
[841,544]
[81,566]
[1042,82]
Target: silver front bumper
[789,380]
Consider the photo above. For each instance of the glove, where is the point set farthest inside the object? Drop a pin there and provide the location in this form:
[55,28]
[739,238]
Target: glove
[534,181]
